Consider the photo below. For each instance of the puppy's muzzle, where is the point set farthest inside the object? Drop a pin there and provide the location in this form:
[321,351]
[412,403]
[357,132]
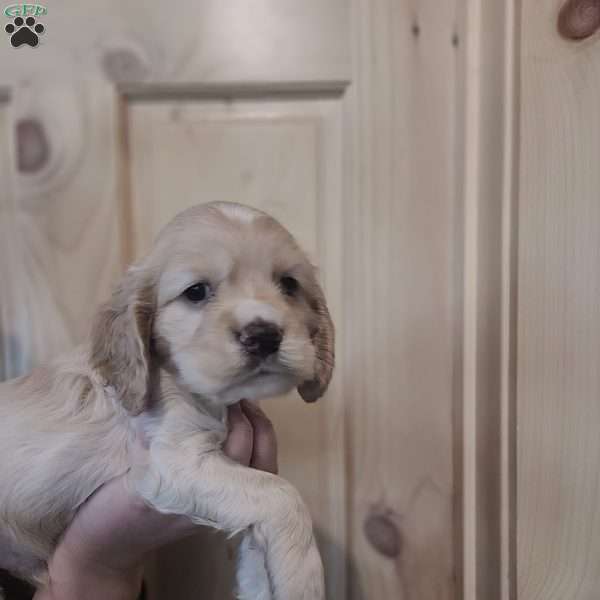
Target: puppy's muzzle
[260,338]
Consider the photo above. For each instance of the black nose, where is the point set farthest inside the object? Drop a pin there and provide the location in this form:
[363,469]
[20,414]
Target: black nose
[260,338]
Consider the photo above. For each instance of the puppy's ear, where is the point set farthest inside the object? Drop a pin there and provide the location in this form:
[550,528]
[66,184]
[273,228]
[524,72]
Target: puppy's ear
[324,342]
[121,338]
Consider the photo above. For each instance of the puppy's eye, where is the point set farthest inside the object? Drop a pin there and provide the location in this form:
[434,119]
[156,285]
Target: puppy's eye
[289,285]
[197,292]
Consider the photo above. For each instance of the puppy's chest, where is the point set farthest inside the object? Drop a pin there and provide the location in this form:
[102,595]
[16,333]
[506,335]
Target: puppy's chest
[176,421]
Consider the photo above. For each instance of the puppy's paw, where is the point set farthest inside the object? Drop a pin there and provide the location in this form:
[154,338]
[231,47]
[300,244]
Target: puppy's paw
[294,562]
[311,576]
[302,578]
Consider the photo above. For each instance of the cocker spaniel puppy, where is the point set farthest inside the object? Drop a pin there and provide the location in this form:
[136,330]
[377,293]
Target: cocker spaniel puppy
[225,306]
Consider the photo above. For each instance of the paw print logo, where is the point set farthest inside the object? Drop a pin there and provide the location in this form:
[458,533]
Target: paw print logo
[24,32]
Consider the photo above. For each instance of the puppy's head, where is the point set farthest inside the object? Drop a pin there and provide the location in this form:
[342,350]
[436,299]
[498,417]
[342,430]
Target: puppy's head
[228,303]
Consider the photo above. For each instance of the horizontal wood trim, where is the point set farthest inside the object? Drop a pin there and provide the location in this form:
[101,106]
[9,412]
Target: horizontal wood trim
[236,90]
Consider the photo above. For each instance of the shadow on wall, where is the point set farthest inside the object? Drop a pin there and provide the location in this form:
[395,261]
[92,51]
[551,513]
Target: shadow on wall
[334,554]
[205,564]
[199,566]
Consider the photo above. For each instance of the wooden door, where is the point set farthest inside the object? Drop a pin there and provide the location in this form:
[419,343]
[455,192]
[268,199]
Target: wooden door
[337,117]
[125,114]
[342,119]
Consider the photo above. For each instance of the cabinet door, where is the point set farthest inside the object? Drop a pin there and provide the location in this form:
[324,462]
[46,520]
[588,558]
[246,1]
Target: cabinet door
[339,118]
[123,115]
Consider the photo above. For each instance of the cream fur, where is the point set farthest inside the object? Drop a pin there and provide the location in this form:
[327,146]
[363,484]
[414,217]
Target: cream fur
[160,366]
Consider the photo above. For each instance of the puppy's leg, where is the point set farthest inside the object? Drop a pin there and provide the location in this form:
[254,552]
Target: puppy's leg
[211,488]
[252,577]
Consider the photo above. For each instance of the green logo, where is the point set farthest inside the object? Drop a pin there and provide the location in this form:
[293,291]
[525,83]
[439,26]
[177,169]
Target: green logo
[25,10]
[25,29]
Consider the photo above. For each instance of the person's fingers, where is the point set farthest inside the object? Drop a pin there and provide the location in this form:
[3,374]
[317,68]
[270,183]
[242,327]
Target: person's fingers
[264,450]
[239,442]
[115,528]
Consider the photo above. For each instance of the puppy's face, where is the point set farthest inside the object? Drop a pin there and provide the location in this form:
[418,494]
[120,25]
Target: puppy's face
[235,308]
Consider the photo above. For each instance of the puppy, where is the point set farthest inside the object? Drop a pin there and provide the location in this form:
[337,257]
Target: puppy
[225,306]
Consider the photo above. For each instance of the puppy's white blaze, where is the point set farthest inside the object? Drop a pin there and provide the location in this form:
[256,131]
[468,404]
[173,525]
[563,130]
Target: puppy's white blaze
[250,310]
[244,214]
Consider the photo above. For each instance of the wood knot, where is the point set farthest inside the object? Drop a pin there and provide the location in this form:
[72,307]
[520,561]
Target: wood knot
[579,19]
[383,533]
[33,148]
[123,65]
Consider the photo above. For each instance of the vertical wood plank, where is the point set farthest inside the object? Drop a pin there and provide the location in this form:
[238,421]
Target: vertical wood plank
[558,412]
[400,312]
[487,335]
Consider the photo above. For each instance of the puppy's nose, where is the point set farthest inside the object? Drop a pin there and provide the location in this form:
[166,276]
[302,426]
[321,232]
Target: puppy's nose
[261,338]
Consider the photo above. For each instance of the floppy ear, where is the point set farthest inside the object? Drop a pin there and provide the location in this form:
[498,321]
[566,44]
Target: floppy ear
[324,341]
[121,339]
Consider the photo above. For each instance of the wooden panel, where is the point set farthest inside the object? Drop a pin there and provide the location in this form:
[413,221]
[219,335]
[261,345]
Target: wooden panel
[66,218]
[68,229]
[283,157]
[188,42]
[190,154]
[558,485]
[63,211]
[48,236]
[399,298]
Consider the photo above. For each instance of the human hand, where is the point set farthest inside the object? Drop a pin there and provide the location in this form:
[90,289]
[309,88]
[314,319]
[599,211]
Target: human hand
[102,551]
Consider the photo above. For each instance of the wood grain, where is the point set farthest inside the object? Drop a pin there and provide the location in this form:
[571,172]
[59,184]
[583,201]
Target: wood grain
[62,180]
[558,484]
[191,42]
[70,229]
[399,295]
